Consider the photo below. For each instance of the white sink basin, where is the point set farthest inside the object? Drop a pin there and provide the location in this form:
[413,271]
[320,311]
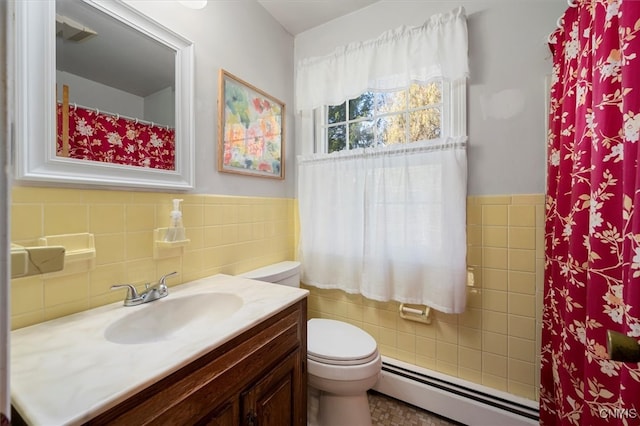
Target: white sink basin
[163,319]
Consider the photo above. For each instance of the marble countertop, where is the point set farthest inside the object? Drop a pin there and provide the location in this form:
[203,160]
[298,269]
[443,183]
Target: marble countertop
[65,371]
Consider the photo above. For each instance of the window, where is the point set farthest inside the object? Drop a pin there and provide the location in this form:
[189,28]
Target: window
[387,222]
[421,112]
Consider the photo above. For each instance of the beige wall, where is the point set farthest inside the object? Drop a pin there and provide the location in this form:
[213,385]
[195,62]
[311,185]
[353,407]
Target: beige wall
[228,235]
[496,341]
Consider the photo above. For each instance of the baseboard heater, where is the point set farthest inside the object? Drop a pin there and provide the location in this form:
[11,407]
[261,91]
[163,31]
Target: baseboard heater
[453,398]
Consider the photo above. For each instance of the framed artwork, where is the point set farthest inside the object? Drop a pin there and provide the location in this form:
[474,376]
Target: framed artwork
[250,129]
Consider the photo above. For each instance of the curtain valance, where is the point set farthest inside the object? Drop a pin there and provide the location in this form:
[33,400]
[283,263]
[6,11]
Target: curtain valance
[436,49]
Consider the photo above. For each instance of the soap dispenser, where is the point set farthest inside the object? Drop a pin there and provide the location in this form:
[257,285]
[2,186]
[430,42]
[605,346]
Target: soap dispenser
[175,232]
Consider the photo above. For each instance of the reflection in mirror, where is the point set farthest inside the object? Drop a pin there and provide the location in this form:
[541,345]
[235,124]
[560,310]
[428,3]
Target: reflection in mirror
[114,90]
[105,94]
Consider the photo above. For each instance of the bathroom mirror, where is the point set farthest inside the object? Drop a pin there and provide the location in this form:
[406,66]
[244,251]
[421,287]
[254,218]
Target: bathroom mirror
[77,56]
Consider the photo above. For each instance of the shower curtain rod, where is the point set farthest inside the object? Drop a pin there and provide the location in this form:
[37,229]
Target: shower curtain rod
[118,116]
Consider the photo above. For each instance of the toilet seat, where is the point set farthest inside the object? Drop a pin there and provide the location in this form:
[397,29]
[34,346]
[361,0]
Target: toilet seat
[338,343]
[345,373]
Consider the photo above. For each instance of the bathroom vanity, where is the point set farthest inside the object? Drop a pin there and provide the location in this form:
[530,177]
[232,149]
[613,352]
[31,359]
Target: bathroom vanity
[246,365]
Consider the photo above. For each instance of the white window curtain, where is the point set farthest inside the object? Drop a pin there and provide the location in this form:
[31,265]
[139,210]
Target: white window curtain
[388,223]
[436,49]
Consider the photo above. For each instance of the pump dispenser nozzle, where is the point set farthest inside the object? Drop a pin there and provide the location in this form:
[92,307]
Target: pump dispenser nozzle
[176,206]
[175,232]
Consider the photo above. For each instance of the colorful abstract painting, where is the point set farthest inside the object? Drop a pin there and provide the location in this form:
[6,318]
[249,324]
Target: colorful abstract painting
[251,136]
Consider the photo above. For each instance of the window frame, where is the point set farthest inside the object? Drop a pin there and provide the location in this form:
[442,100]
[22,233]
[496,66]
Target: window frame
[453,115]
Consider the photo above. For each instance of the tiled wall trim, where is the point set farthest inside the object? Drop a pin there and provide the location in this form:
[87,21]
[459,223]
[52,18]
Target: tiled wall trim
[228,235]
[496,341]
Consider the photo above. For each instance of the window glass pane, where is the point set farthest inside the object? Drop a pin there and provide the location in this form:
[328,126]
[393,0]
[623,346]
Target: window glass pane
[392,129]
[391,101]
[361,134]
[423,95]
[337,138]
[336,113]
[386,118]
[424,124]
[362,106]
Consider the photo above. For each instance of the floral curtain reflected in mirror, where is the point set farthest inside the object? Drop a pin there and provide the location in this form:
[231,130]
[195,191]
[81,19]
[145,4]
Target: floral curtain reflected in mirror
[89,134]
[115,91]
[129,116]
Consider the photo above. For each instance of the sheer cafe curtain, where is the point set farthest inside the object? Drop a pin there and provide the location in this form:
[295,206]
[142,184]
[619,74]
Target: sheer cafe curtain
[387,222]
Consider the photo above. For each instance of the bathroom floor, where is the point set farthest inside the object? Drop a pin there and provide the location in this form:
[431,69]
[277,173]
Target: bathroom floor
[386,411]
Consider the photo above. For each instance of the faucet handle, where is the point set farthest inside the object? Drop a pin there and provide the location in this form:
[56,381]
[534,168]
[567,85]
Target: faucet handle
[132,293]
[164,277]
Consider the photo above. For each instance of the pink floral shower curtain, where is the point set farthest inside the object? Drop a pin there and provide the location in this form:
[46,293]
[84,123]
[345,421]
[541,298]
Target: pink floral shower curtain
[117,140]
[592,276]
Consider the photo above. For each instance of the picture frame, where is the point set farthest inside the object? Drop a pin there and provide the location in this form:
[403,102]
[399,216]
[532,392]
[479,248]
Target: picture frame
[251,129]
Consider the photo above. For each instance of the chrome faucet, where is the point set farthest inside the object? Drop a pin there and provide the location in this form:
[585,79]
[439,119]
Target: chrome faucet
[150,293]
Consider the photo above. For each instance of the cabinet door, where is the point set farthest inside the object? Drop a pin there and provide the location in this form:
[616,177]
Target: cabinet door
[256,378]
[277,399]
[225,415]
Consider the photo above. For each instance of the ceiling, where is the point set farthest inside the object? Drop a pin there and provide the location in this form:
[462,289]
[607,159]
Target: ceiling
[297,16]
[96,60]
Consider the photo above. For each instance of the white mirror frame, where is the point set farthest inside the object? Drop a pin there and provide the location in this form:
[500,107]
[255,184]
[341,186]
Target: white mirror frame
[35,85]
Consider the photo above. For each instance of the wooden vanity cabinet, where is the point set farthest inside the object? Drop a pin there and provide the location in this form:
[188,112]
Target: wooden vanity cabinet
[258,378]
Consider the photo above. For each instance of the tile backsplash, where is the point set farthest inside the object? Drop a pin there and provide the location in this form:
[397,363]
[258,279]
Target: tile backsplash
[496,341]
[227,235]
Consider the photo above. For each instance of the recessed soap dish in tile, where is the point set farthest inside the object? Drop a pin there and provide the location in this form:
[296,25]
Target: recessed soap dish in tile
[78,247]
[27,261]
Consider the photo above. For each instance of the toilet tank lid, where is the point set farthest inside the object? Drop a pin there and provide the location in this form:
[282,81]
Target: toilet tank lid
[274,272]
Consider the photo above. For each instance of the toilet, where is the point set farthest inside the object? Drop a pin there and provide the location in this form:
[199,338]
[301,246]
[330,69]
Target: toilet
[343,361]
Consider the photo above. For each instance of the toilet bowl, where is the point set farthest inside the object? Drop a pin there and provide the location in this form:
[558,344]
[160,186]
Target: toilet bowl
[343,361]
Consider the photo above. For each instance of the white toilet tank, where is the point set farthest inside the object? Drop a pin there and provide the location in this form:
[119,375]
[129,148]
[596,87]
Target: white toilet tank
[286,273]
